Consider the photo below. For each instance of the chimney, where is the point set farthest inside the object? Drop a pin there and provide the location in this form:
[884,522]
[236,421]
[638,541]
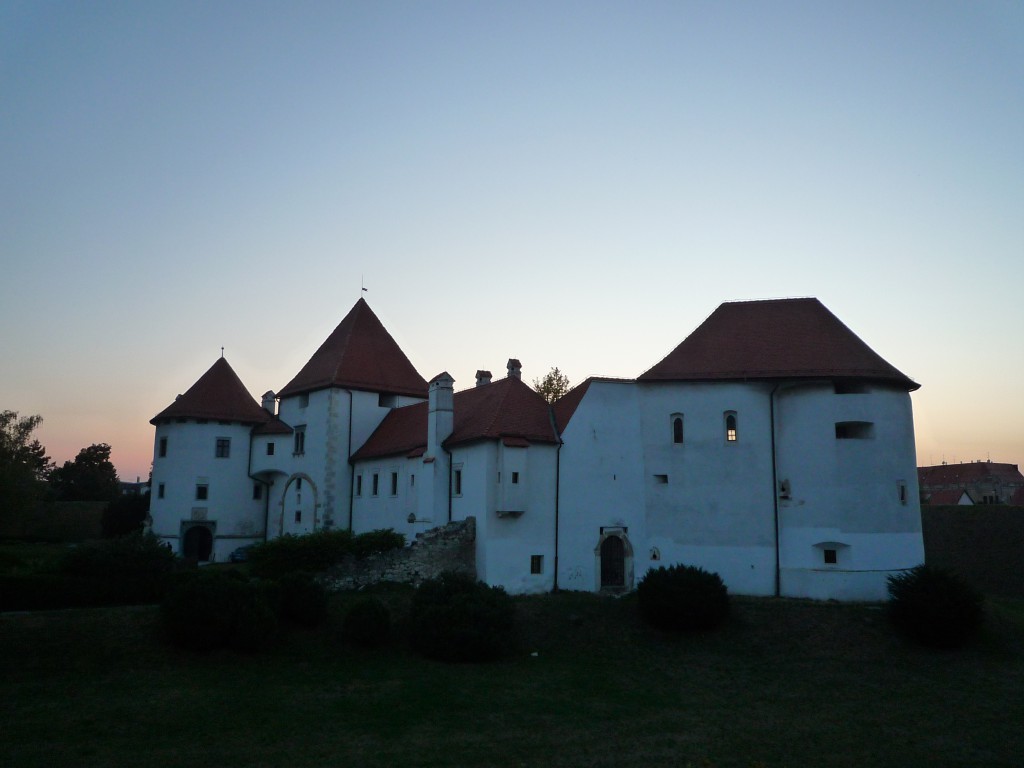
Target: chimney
[483,377]
[515,369]
[441,412]
[269,402]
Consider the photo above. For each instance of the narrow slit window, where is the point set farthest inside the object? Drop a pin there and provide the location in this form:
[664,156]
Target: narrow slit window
[457,482]
[394,483]
[515,478]
[163,447]
[359,485]
[731,432]
[677,429]
[376,483]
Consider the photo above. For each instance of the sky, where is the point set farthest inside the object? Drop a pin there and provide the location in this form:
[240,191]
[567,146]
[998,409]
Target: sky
[574,184]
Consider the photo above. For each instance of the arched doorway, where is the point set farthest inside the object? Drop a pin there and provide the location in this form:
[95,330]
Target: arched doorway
[198,543]
[613,563]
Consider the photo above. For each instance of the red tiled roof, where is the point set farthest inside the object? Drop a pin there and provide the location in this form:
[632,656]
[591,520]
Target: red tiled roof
[273,426]
[403,431]
[359,354]
[506,408]
[972,472]
[774,339]
[565,406]
[218,394]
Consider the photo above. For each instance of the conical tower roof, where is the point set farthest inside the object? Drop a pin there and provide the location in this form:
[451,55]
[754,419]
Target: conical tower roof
[359,354]
[218,394]
[774,339]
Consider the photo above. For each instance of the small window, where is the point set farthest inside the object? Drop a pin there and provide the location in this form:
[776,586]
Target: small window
[298,484]
[830,556]
[304,402]
[412,481]
[394,483]
[163,447]
[202,492]
[376,483]
[270,449]
[731,433]
[677,429]
[160,491]
[257,491]
[300,440]
[298,515]
[854,430]
[661,479]
[536,563]
[457,482]
[515,478]
[901,488]
[223,449]
[359,485]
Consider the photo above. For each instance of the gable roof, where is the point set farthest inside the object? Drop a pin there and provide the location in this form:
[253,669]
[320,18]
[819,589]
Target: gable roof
[948,497]
[774,339]
[218,394]
[972,472]
[359,354]
[506,409]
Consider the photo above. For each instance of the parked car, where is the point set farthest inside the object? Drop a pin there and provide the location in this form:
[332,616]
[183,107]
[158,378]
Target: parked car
[241,554]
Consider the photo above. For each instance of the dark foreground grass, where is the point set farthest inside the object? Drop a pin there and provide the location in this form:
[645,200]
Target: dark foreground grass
[786,683]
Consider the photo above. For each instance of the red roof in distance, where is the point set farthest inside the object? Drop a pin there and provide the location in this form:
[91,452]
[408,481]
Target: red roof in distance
[774,339]
[218,394]
[359,354]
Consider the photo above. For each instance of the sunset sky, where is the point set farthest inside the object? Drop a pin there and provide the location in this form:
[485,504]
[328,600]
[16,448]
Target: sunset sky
[575,184]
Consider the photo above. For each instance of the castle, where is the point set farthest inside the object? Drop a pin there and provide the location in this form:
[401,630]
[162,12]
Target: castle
[772,446]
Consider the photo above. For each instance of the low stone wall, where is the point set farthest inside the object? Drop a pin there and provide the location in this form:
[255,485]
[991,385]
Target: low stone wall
[448,548]
[983,543]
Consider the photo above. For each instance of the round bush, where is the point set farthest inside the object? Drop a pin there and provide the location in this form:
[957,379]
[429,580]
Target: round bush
[455,618]
[683,597]
[303,600]
[204,610]
[367,623]
[935,607]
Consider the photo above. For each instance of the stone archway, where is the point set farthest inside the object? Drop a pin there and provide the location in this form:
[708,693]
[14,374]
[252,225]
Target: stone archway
[614,565]
[299,504]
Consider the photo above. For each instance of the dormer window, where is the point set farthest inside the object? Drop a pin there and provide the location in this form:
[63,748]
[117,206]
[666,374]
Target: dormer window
[731,433]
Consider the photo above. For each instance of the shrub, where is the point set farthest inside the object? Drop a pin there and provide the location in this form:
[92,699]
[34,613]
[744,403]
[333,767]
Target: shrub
[455,618]
[205,610]
[683,597]
[311,553]
[318,551]
[129,569]
[367,623]
[303,600]
[935,607]
[374,542]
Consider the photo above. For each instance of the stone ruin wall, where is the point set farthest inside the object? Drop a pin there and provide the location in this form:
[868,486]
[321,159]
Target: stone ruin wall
[448,548]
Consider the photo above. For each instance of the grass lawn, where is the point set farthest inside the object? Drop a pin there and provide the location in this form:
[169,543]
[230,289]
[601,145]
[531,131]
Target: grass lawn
[787,683]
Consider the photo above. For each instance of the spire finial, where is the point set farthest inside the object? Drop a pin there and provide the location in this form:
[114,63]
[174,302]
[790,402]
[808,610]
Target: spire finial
[222,353]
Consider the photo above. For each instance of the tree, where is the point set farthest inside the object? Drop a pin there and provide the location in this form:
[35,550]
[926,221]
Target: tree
[24,464]
[90,477]
[553,385]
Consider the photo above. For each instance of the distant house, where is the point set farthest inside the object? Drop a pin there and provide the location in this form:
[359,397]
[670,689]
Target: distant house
[772,446]
[948,497]
[986,482]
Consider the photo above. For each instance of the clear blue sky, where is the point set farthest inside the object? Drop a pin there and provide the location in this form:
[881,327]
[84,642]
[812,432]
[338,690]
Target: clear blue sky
[571,183]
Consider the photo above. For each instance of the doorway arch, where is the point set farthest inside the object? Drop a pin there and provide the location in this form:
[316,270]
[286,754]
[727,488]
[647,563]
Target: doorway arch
[614,565]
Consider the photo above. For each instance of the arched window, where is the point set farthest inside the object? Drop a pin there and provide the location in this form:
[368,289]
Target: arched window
[677,428]
[731,435]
